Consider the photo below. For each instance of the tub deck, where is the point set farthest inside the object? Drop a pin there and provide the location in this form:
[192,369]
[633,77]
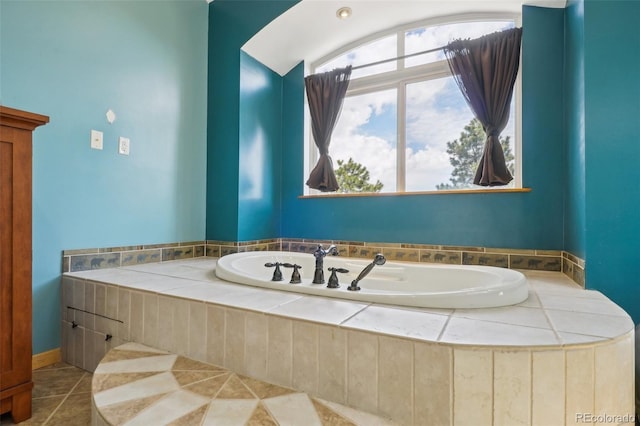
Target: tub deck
[563,351]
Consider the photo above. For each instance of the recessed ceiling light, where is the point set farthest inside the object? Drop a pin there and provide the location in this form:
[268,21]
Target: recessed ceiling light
[343,12]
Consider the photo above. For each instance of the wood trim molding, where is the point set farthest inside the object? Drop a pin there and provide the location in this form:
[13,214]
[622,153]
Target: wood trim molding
[400,194]
[45,359]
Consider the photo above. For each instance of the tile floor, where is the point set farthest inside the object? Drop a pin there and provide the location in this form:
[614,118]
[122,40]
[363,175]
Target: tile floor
[61,397]
[138,385]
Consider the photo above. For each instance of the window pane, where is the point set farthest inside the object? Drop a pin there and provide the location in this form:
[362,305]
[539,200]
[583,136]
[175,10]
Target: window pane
[366,132]
[384,48]
[421,39]
[444,140]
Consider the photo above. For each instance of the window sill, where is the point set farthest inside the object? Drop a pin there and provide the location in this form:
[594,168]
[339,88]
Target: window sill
[400,194]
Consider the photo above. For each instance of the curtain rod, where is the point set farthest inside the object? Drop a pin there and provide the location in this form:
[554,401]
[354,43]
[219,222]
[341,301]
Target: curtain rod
[396,58]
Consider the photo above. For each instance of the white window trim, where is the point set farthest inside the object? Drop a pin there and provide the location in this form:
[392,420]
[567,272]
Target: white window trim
[399,79]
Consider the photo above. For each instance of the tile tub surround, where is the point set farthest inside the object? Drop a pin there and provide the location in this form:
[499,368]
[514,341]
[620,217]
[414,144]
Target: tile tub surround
[545,260]
[136,384]
[562,352]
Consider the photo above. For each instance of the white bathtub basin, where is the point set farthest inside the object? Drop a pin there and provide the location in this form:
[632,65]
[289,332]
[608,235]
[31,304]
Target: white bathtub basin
[394,283]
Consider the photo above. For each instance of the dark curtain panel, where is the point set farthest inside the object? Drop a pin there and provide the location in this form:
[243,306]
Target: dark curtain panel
[485,70]
[325,93]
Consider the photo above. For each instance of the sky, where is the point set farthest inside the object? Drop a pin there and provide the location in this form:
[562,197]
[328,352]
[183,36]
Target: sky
[436,111]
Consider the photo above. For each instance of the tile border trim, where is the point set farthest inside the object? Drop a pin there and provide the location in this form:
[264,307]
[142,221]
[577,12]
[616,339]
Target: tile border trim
[531,259]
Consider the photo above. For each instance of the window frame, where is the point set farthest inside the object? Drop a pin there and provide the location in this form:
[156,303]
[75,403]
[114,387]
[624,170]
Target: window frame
[399,79]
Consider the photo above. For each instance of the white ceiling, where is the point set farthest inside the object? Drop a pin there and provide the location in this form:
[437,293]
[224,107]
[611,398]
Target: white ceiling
[310,30]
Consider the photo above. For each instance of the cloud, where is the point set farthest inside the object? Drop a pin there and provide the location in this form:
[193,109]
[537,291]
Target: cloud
[436,112]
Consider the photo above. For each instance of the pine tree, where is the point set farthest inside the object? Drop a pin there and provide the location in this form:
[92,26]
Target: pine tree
[465,153]
[354,177]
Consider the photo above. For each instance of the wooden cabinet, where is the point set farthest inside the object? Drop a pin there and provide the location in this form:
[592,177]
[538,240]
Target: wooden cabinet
[16,128]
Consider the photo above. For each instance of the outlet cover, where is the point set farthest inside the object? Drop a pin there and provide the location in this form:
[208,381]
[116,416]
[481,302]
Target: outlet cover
[96,139]
[123,146]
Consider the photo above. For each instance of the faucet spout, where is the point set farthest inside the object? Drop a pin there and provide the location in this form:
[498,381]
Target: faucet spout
[319,254]
[378,260]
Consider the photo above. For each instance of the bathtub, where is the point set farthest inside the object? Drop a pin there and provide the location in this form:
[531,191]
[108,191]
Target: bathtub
[394,283]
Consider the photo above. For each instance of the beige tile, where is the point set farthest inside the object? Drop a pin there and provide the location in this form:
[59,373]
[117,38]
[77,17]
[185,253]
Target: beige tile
[74,411]
[225,413]
[150,318]
[192,418]
[475,332]
[598,303]
[439,256]
[433,384]
[548,388]
[614,377]
[293,409]
[398,322]
[402,254]
[66,298]
[209,388]
[78,345]
[472,387]
[180,343]
[593,324]
[170,408]
[395,379]
[165,323]
[89,361]
[234,388]
[158,363]
[79,298]
[579,384]
[511,388]
[53,382]
[84,318]
[256,345]
[65,342]
[112,310]
[234,340]
[265,390]
[332,362]
[279,351]
[261,417]
[95,350]
[41,409]
[360,418]
[362,371]
[100,308]
[197,331]
[136,328]
[328,416]
[305,357]
[215,334]
[513,315]
[487,259]
[319,309]
[124,313]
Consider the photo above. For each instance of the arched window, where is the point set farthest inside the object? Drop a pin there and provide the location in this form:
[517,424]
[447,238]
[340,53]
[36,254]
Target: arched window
[406,121]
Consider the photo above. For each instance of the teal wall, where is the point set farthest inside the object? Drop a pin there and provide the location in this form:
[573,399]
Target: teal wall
[231,24]
[260,141]
[152,63]
[74,60]
[524,220]
[612,150]
[574,181]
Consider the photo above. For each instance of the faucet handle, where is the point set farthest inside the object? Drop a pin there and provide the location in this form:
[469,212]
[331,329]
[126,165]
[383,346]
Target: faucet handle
[295,276]
[333,279]
[277,273]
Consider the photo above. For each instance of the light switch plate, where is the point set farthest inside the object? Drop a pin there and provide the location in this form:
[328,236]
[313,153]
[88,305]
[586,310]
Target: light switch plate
[123,146]
[96,139]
